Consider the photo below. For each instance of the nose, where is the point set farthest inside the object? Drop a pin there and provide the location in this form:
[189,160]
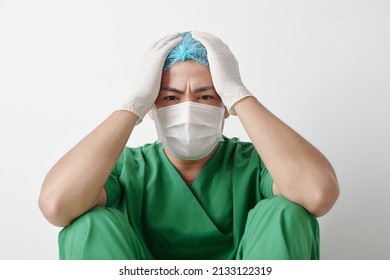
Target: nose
[189,96]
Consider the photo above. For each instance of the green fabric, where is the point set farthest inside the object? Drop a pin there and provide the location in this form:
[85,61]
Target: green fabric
[279,229]
[169,220]
[276,229]
[102,233]
[204,221]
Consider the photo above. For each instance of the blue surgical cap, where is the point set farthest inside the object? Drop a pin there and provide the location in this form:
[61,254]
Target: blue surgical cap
[188,48]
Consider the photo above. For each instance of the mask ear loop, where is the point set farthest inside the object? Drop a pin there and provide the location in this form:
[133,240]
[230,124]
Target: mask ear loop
[154,117]
[151,112]
[222,121]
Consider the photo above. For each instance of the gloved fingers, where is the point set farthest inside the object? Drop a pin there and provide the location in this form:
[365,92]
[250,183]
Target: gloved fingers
[207,39]
[166,41]
[215,47]
[165,38]
[163,49]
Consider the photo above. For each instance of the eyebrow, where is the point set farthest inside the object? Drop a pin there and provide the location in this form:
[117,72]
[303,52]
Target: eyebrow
[175,90]
[200,89]
[197,90]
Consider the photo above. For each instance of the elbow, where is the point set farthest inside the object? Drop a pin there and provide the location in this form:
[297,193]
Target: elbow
[324,197]
[51,210]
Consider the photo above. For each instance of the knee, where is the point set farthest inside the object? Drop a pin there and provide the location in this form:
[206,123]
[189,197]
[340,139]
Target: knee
[281,229]
[99,212]
[97,217]
[101,233]
[286,213]
[281,206]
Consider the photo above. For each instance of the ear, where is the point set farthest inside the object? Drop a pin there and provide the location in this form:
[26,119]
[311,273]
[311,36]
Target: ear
[226,113]
[150,114]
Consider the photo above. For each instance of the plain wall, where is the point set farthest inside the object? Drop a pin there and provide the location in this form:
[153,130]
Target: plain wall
[323,67]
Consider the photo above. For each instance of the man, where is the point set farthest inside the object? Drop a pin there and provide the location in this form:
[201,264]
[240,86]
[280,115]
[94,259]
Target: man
[195,194]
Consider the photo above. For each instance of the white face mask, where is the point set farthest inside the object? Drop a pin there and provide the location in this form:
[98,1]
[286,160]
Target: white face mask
[189,130]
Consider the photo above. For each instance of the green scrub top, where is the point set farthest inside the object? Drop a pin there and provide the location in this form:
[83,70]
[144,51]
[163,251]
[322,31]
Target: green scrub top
[204,221]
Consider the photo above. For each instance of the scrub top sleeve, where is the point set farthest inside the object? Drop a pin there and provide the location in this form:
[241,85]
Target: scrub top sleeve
[266,182]
[112,185]
[113,191]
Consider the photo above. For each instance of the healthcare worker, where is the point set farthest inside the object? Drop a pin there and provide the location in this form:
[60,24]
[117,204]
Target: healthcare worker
[194,194]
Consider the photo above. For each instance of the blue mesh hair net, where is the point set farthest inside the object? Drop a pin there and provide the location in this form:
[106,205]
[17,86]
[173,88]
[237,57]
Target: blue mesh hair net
[189,48]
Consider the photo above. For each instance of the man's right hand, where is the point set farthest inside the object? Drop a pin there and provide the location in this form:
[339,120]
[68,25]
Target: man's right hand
[148,78]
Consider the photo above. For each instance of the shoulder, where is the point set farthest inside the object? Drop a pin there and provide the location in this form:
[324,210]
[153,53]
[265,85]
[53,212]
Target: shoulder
[236,145]
[139,155]
[241,152]
[142,151]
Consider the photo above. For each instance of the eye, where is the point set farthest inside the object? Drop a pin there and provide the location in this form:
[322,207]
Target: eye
[206,97]
[170,98]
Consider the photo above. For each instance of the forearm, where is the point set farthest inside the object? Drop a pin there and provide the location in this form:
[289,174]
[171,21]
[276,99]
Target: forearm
[300,171]
[75,182]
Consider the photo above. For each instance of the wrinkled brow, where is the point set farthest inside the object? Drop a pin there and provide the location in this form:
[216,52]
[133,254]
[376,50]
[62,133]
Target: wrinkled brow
[197,90]
[175,90]
[201,89]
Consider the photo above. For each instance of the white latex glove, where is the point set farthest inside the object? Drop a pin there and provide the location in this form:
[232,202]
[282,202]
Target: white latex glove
[148,78]
[224,70]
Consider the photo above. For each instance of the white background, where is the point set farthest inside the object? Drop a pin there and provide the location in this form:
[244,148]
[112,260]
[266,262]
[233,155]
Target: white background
[323,67]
